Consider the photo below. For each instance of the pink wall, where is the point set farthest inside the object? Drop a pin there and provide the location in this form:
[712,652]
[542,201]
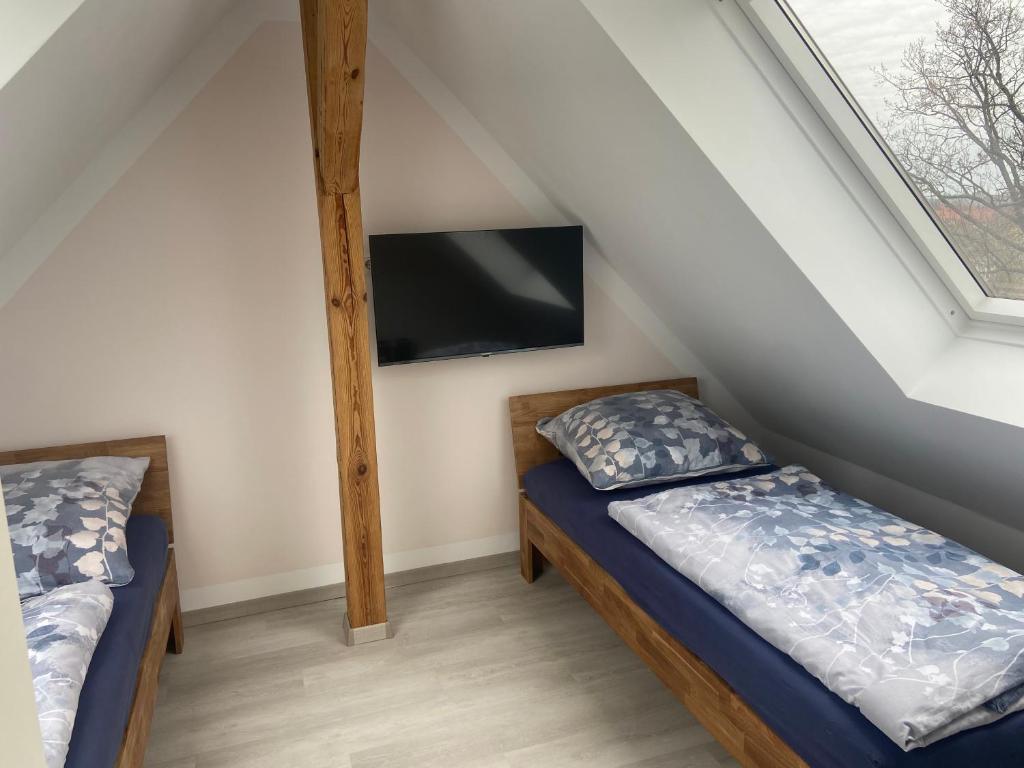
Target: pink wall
[189,302]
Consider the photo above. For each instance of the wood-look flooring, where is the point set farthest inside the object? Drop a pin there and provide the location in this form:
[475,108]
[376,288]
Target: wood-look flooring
[485,671]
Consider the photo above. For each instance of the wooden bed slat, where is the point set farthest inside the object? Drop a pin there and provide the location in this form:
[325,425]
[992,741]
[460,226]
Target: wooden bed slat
[701,690]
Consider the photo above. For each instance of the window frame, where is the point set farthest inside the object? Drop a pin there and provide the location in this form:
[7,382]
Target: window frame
[796,50]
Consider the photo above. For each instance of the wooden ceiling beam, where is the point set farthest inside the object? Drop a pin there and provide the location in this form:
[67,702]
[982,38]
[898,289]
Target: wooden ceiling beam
[334,44]
[334,75]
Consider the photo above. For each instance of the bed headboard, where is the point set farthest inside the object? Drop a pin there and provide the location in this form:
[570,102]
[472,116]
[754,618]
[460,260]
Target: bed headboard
[531,449]
[155,495]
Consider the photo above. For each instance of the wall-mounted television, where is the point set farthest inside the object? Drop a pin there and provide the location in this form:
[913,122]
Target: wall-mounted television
[442,295]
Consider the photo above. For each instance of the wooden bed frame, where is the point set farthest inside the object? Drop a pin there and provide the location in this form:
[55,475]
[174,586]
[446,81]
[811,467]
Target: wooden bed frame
[165,631]
[696,685]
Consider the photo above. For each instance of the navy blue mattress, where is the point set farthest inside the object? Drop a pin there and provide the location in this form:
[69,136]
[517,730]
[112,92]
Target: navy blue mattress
[109,688]
[818,725]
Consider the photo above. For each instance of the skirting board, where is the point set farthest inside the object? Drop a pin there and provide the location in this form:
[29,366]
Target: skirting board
[337,591]
[228,593]
[361,635]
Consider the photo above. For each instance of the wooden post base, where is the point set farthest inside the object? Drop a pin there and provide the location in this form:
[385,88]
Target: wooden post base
[368,634]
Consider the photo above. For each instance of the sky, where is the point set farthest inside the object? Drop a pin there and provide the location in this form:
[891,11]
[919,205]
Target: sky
[858,35]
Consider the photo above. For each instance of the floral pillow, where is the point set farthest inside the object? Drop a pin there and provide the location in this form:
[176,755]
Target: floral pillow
[67,520]
[640,438]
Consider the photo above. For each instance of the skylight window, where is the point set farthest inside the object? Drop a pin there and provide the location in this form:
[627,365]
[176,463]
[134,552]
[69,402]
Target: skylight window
[940,86]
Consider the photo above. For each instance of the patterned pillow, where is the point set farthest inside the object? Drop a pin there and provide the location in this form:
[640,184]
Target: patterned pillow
[62,629]
[67,520]
[639,438]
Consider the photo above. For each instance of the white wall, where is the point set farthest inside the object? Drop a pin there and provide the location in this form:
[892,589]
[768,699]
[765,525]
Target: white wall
[189,302]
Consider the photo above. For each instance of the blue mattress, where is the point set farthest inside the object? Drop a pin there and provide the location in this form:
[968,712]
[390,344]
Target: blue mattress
[109,688]
[822,728]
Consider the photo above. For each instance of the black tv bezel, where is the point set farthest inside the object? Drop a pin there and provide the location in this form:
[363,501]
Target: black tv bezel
[582,306]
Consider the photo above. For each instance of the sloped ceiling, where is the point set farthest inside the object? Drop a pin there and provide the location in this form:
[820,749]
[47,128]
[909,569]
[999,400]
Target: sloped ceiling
[71,94]
[559,95]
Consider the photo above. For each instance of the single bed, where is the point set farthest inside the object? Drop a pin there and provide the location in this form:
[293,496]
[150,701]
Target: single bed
[760,704]
[116,704]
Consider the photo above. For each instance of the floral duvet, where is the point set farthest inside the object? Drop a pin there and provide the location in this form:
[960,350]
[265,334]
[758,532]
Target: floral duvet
[923,635]
[62,629]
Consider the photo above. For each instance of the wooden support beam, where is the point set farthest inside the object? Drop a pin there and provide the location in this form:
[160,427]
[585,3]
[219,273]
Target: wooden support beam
[334,41]
[334,78]
[341,234]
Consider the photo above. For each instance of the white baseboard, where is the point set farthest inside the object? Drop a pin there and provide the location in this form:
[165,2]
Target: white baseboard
[450,553]
[198,598]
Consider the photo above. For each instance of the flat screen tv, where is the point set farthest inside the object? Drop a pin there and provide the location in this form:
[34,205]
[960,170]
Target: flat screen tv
[441,295]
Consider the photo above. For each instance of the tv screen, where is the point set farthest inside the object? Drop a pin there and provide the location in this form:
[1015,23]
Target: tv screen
[456,294]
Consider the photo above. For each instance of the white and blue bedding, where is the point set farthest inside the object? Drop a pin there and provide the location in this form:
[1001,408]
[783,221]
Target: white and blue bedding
[923,635]
[62,629]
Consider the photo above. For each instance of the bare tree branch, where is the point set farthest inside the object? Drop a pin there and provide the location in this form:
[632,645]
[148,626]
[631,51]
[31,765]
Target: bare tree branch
[956,124]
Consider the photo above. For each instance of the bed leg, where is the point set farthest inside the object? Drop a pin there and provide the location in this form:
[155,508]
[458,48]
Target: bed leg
[530,558]
[176,640]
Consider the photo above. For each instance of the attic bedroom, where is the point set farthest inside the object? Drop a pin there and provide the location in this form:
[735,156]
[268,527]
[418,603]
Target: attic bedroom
[483,384]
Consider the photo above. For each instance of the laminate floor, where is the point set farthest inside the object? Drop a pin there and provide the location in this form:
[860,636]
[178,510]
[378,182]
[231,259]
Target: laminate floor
[484,671]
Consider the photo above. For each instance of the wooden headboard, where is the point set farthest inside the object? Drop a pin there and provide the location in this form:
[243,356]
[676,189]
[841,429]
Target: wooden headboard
[155,495]
[531,449]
